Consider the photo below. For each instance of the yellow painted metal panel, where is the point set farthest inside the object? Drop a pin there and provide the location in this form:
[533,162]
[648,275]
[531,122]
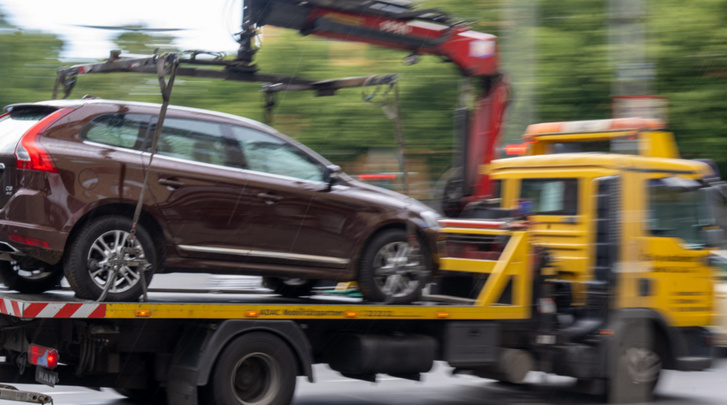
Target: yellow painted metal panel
[312,311]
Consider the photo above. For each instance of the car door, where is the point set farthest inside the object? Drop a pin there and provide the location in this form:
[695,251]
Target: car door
[199,188]
[292,215]
[218,208]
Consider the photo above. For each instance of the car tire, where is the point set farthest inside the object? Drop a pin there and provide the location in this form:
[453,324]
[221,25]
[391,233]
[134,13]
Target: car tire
[96,250]
[29,279]
[391,270]
[289,287]
[256,368]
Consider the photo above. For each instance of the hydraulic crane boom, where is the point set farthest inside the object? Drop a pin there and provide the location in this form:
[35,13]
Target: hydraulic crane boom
[396,24]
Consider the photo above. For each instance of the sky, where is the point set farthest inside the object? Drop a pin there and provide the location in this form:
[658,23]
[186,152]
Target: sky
[208,24]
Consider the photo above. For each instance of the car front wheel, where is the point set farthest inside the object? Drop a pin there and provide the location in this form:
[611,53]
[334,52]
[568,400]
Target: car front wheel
[392,270]
[103,256]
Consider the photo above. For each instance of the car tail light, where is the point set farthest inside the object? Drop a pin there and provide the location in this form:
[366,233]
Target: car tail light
[42,356]
[29,153]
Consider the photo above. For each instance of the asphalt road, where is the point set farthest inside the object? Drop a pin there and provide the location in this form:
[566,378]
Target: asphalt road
[440,388]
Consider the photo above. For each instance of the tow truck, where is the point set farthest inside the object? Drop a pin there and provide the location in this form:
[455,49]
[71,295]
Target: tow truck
[527,282]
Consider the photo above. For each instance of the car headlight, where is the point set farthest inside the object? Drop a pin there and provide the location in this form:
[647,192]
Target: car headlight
[431,218]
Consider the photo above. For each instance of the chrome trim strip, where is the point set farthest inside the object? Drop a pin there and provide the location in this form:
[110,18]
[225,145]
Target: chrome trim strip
[270,255]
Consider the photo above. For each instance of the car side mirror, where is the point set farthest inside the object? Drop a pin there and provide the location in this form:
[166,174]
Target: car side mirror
[330,174]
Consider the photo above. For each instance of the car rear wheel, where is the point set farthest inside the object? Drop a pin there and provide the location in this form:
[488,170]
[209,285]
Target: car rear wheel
[104,247]
[289,287]
[30,277]
[392,270]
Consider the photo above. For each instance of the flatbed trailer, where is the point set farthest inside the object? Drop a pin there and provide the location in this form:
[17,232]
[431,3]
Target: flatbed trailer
[177,340]
[249,348]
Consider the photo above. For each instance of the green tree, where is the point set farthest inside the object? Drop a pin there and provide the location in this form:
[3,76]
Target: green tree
[27,64]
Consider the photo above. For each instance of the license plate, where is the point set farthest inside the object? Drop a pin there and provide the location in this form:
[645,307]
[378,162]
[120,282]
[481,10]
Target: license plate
[45,376]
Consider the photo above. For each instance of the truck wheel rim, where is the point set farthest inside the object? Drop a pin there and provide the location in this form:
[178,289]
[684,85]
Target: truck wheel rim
[643,365]
[112,251]
[397,269]
[255,379]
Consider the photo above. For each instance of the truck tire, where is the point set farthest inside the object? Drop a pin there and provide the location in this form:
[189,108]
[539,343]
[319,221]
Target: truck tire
[97,249]
[256,368]
[30,279]
[289,287]
[637,369]
[391,270]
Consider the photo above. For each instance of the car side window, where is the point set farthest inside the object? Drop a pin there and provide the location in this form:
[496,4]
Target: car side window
[198,141]
[123,130]
[269,154]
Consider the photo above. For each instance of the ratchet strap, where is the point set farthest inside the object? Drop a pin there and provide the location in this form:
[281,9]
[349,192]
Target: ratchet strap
[167,62]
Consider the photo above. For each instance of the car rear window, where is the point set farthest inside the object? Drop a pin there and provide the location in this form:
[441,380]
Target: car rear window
[17,123]
[122,130]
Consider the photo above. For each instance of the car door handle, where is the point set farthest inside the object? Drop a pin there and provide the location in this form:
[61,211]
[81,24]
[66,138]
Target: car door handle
[171,182]
[269,198]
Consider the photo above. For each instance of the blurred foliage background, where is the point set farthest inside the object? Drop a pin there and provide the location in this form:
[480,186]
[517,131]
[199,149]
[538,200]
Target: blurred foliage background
[557,53]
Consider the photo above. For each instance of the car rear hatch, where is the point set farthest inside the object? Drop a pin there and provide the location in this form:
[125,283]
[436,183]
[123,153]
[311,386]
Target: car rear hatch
[13,125]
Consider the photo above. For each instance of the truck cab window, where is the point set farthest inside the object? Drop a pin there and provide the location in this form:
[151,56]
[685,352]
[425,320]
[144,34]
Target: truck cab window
[677,211]
[551,196]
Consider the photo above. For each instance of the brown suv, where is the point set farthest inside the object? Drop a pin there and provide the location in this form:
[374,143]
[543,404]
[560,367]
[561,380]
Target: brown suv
[225,195]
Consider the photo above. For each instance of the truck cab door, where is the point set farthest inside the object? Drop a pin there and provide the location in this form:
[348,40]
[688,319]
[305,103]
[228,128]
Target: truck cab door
[673,274]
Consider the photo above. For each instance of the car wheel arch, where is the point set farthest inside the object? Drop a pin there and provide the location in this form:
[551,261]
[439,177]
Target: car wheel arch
[147,220]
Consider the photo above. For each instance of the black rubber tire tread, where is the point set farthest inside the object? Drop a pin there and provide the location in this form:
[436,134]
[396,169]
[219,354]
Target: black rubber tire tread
[366,276]
[279,286]
[76,266]
[622,389]
[220,390]
[14,281]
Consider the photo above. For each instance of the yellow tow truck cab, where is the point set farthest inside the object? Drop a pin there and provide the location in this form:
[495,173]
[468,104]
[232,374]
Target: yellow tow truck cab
[628,228]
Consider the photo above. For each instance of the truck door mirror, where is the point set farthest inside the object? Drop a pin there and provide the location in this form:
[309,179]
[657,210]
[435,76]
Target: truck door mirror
[713,231]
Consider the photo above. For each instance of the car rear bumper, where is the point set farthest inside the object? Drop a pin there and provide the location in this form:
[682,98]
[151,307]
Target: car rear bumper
[30,240]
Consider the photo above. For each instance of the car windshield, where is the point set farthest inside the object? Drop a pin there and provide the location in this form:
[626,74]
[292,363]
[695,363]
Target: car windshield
[677,210]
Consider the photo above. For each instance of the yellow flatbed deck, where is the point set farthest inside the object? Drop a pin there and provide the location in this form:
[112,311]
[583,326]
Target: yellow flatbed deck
[62,304]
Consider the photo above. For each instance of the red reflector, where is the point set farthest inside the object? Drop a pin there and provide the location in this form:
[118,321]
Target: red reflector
[377,177]
[29,241]
[42,356]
